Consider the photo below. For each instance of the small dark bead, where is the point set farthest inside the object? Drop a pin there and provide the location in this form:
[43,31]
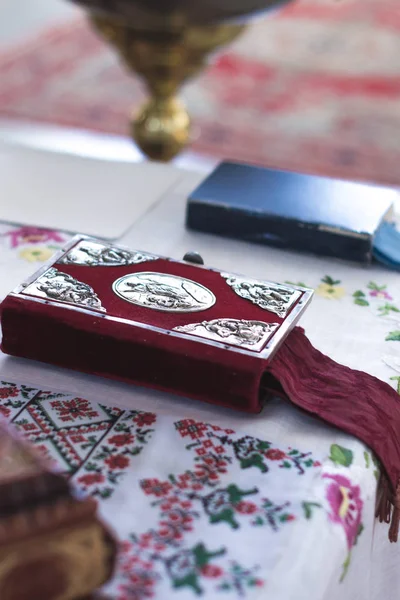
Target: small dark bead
[193,257]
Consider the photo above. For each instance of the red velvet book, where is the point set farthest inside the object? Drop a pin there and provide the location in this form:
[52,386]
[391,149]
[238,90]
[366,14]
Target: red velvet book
[168,324]
[199,332]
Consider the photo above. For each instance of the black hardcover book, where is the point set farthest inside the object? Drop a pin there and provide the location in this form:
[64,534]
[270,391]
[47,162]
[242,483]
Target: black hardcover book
[291,210]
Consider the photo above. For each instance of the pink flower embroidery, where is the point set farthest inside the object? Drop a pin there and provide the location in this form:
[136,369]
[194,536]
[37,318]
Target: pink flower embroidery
[121,439]
[117,461]
[4,411]
[211,571]
[33,235]
[246,508]
[275,454]
[156,487]
[91,478]
[8,392]
[346,505]
[143,419]
[380,294]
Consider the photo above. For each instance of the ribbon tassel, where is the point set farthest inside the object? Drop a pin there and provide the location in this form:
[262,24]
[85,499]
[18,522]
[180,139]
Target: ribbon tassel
[353,401]
[395,522]
[388,506]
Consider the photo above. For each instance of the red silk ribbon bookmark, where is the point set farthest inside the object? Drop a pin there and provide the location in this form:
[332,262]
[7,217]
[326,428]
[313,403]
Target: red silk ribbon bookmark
[353,401]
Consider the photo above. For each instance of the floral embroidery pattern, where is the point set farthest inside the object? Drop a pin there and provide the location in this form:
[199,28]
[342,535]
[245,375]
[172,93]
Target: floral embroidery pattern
[225,503]
[13,397]
[393,336]
[138,576]
[345,510]
[93,443]
[105,468]
[237,579]
[346,505]
[185,568]
[33,235]
[97,445]
[248,450]
[341,456]
[273,514]
[375,292]
[73,410]
[37,254]
[183,499]
[330,288]
[377,297]
[32,244]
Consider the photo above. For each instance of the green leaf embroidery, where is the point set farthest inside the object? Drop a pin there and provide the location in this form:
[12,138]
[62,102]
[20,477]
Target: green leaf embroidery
[25,391]
[396,378]
[377,466]
[224,587]
[92,467]
[327,279]
[346,563]
[341,456]
[361,302]
[104,493]
[307,507]
[346,566]
[367,461]
[359,532]
[359,298]
[393,336]
[387,308]
[377,288]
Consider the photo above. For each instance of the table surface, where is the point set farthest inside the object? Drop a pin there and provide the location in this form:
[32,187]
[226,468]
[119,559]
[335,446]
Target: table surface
[192,519]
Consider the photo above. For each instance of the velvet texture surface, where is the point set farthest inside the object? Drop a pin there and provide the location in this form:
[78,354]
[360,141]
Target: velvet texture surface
[353,401]
[111,348]
[92,344]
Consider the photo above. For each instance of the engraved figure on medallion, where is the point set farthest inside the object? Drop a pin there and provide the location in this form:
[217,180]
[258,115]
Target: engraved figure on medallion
[268,296]
[238,332]
[62,287]
[161,291]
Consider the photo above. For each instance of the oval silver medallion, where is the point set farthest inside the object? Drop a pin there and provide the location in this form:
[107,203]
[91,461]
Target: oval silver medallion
[161,291]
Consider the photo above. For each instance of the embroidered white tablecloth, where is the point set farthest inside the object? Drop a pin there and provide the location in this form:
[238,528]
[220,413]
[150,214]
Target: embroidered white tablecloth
[205,501]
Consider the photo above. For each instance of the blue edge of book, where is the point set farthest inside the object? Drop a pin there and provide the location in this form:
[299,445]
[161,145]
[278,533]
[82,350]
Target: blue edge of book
[387,246]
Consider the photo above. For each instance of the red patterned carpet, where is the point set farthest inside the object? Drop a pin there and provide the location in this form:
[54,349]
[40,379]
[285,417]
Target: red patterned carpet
[315,87]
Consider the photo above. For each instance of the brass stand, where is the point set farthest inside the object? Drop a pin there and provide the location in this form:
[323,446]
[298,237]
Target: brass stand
[164,58]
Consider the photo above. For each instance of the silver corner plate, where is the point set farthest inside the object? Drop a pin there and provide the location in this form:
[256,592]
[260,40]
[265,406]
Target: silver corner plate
[93,253]
[252,335]
[61,287]
[273,297]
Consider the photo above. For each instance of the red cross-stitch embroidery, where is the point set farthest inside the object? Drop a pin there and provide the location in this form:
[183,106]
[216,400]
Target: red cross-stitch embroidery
[74,410]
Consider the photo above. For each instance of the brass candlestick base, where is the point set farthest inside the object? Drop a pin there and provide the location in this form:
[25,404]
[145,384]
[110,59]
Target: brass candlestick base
[161,128]
[164,58]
